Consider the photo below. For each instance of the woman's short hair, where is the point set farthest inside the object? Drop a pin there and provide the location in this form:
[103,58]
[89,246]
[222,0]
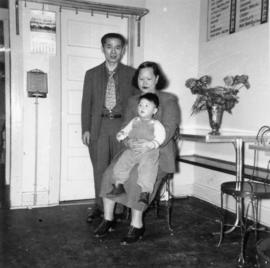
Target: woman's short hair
[113,35]
[162,80]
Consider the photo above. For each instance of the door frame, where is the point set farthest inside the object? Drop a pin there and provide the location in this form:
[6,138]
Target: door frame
[131,25]
[4,14]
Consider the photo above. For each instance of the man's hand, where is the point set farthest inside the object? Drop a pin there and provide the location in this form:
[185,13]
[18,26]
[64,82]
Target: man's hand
[86,138]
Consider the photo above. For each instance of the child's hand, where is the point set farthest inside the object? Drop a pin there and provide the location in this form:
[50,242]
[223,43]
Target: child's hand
[120,136]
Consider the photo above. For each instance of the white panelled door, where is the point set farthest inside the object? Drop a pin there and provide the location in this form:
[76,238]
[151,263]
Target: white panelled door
[81,50]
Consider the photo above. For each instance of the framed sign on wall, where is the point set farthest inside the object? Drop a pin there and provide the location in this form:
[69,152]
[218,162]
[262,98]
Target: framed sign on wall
[43,32]
[229,16]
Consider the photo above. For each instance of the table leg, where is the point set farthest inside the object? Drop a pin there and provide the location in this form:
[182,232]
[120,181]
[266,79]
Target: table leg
[239,153]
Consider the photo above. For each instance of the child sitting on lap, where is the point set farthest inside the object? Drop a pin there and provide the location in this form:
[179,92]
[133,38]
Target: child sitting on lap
[146,128]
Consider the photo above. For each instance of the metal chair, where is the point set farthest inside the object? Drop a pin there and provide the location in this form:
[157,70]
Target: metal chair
[163,190]
[248,194]
[263,249]
[164,195]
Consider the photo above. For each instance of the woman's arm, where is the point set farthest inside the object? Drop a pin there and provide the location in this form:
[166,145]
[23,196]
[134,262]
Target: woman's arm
[170,118]
[159,134]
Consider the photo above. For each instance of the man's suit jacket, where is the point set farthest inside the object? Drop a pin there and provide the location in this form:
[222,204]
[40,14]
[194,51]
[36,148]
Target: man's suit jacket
[169,115]
[94,90]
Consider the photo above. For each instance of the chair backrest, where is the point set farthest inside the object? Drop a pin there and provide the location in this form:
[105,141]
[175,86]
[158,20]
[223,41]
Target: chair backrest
[262,138]
[263,135]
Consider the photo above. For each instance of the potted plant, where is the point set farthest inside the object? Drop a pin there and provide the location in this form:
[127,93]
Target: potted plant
[216,99]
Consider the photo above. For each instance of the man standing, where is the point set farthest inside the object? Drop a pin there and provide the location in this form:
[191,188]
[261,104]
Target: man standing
[105,92]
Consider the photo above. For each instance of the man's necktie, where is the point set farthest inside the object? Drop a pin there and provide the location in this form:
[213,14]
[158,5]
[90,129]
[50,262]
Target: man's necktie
[110,98]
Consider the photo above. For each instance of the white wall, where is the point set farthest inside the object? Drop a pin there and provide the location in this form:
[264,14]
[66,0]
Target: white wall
[171,39]
[244,52]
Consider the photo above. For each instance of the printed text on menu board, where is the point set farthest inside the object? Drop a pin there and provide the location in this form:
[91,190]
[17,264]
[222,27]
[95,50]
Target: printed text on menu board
[230,16]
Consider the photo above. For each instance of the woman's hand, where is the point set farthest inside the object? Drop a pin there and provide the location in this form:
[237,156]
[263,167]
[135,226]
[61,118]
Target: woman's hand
[139,145]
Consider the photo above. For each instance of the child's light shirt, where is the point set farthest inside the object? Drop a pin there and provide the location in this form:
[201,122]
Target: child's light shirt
[158,131]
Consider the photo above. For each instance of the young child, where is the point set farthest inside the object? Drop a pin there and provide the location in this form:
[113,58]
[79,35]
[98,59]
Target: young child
[141,127]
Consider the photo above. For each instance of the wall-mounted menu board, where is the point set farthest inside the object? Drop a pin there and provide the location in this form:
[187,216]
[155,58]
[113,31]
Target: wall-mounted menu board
[230,16]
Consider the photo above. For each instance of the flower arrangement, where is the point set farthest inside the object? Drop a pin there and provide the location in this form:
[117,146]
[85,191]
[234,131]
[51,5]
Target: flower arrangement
[223,96]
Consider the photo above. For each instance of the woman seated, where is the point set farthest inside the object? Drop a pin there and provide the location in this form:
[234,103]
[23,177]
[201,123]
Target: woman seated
[149,79]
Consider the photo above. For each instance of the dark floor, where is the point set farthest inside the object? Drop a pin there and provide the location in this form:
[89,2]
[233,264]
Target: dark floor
[60,237]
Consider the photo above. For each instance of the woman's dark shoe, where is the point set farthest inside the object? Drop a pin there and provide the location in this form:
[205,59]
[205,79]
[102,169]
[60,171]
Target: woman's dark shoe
[134,234]
[144,197]
[117,190]
[104,227]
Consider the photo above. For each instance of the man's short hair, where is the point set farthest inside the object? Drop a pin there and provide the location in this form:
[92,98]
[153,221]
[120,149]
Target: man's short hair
[113,35]
[150,97]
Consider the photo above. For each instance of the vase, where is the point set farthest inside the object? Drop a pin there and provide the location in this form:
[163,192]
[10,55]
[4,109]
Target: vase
[215,113]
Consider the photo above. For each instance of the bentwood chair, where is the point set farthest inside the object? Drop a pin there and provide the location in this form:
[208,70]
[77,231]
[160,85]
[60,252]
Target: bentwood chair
[163,191]
[263,250]
[249,195]
[164,195]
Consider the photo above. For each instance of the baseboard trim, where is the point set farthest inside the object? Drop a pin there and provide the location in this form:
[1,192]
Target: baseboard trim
[77,202]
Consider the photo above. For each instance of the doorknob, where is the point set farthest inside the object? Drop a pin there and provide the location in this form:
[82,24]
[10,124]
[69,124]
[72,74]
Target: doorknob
[4,49]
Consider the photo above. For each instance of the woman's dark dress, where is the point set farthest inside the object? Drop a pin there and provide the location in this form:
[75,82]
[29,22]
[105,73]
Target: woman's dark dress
[169,115]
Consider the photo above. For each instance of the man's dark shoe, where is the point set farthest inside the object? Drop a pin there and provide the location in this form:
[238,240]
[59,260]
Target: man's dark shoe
[103,228]
[134,234]
[96,214]
[117,190]
[144,197]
